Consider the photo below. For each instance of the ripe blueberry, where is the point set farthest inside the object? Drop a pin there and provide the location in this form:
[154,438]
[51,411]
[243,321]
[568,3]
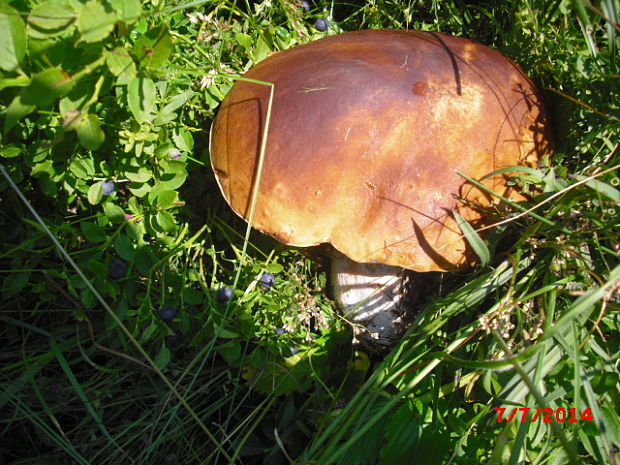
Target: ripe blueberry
[107,187]
[117,268]
[305,6]
[224,295]
[267,280]
[321,24]
[167,313]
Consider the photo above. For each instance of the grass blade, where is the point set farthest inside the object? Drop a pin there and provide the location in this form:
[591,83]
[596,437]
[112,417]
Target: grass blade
[475,241]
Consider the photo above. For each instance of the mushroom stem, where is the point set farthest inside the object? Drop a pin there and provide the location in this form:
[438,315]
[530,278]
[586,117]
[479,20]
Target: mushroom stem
[374,296]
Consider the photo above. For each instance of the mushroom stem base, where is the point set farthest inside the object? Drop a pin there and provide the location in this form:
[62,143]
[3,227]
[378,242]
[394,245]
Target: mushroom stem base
[373,296]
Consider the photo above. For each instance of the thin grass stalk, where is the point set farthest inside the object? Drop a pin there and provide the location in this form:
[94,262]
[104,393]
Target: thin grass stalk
[586,26]
[557,429]
[42,425]
[254,201]
[388,371]
[330,454]
[111,312]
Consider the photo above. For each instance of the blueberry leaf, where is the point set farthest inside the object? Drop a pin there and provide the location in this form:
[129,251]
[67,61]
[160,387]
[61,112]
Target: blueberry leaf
[140,189]
[95,21]
[177,101]
[124,247]
[46,86]
[14,283]
[89,132]
[17,110]
[11,150]
[163,357]
[13,38]
[142,175]
[95,193]
[230,351]
[183,139]
[127,10]
[223,332]
[141,99]
[120,63]
[114,213]
[154,47]
[165,198]
[166,221]
[50,19]
[93,232]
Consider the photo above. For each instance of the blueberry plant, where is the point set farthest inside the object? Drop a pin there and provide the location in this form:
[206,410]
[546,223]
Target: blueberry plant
[116,244]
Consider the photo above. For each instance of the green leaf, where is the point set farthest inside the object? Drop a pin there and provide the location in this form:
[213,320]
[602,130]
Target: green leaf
[144,260]
[191,296]
[45,169]
[177,101]
[164,118]
[244,40]
[163,357]
[21,81]
[97,267]
[89,132]
[13,39]
[11,151]
[602,188]
[124,247]
[230,351]
[49,19]
[261,50]
[92,232]
[95,21]
[141,99]
[78,97]
[220,331]
[114,213]
[95,193]
[120,63]
[154,48]
[14,283]
[72,120]
[83,168]
[140,189]
[142,175]
[127,10]
[183,140]
[166,221]
[171,181]
[165,198]
[474,240]
[16,111]
[47,86]
[174,175]
[48,187]
[274,268]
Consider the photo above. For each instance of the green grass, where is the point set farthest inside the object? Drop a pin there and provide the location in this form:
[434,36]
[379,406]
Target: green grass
[91,375]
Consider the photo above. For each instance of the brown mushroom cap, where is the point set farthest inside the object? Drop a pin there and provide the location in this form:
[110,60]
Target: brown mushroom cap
[366,134]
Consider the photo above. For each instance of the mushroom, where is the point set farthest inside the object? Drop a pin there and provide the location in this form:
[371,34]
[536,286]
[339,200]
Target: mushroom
[366,134]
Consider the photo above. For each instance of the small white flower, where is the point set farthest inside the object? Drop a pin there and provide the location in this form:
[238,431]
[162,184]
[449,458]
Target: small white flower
[207,81]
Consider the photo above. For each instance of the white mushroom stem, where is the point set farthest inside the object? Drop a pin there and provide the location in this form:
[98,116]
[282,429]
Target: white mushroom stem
[371,295]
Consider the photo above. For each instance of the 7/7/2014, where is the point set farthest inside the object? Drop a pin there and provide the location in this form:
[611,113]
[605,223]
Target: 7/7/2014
[547,415]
